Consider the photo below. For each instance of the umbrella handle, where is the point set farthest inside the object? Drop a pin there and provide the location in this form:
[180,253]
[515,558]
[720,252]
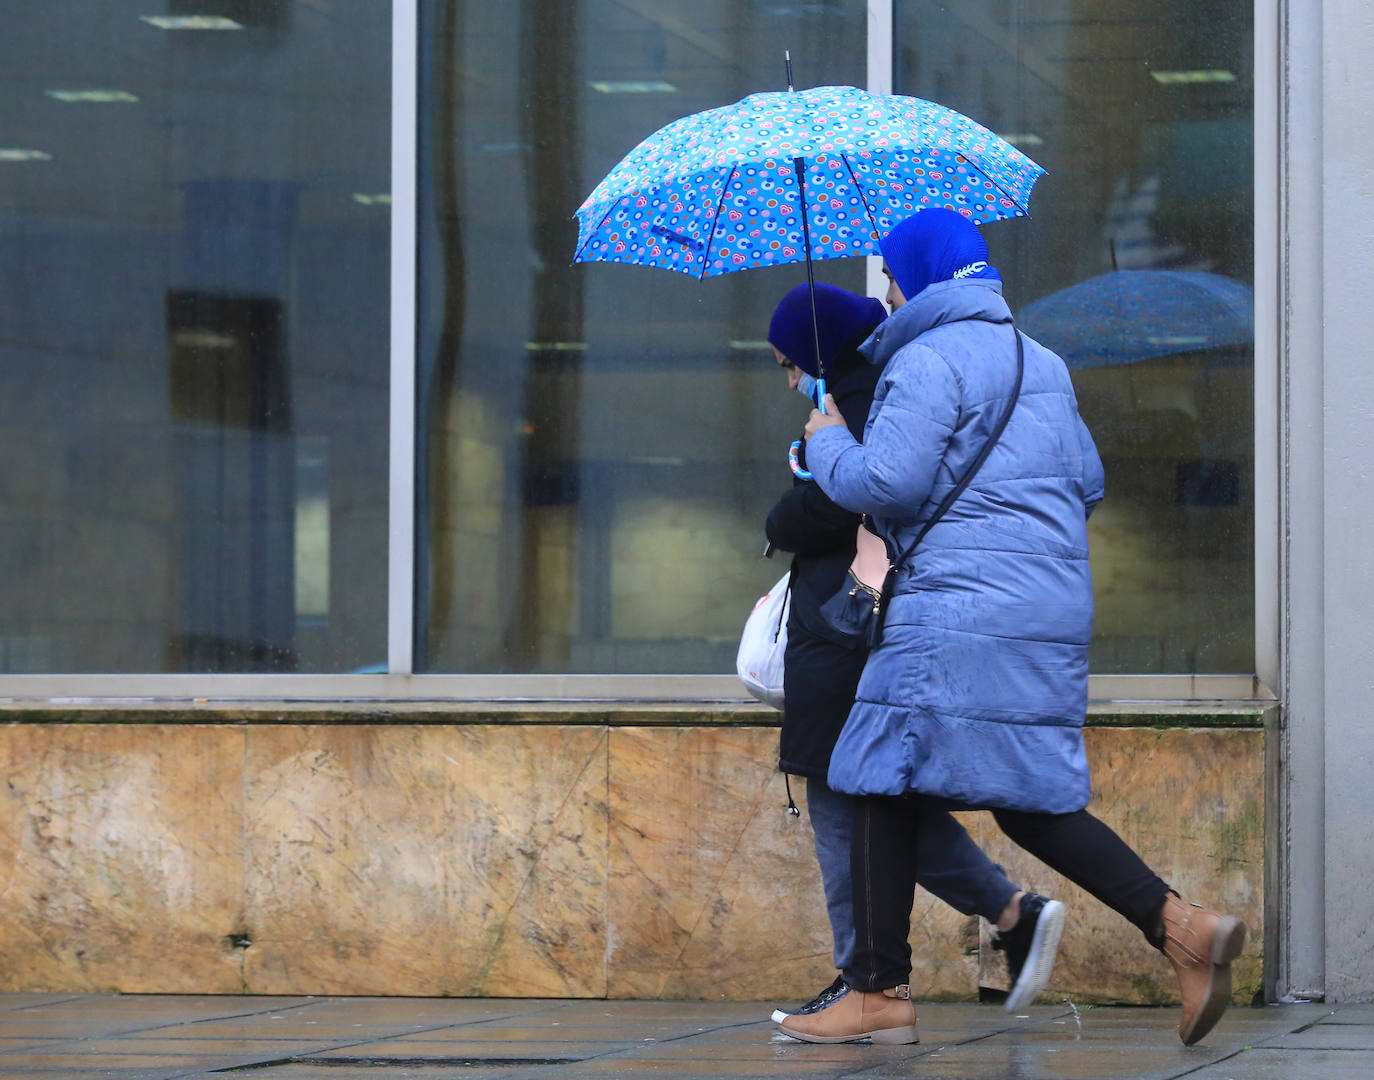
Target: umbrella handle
[792,461]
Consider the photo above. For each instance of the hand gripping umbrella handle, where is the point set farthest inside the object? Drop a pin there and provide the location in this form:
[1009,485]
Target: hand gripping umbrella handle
[792,461]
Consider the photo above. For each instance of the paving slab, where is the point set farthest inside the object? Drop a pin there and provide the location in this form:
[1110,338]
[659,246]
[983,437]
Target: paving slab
[764,1046]
[16,1026]
[314,1072]
[64,1072]
[75,1059]
[608,1033]
[1350,1014]
[637,1069]
[1024,1066]
[12,1000]
[159,1007]
[428,1010]
[218,1048]
[467,1050]
[305,1031]
[1326,1037]
[1266,1064]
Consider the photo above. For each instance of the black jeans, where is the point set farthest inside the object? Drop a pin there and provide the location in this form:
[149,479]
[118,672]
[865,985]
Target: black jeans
[883,865]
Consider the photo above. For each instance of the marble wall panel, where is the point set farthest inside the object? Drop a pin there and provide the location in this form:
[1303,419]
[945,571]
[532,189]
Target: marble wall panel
[1190,802]
[530,888]
[714,888]
[425,860]
[120,857]
[512,859]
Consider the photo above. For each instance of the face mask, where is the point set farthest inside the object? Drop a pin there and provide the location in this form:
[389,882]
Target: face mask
[807,386]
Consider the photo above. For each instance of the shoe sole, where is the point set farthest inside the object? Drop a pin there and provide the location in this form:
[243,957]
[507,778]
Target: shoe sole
[1039,965]
[1227,943]
[898,1036]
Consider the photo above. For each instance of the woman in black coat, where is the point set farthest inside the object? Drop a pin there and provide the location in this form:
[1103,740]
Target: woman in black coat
[822,664]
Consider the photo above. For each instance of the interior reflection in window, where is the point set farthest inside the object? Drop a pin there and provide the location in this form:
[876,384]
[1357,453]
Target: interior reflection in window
[1136,265]
[600,443]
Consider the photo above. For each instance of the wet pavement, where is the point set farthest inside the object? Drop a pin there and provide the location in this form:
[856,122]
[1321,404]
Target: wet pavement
[154,1037]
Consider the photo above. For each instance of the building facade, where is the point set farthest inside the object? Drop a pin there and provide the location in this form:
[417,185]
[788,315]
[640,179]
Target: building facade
[320,444]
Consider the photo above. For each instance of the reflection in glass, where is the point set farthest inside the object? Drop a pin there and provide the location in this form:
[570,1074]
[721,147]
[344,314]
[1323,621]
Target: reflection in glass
[1142,116]
[193,337]
[600,443]
[312,531]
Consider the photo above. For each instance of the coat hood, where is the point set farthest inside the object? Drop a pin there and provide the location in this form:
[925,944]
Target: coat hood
[944,302]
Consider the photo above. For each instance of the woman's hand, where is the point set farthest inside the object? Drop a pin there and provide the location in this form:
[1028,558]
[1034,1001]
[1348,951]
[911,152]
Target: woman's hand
[819,419]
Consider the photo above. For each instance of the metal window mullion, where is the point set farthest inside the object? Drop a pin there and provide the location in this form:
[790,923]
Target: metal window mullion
[401,438]
[1268,295]
[1299,846]
[879,81]
[1267,465]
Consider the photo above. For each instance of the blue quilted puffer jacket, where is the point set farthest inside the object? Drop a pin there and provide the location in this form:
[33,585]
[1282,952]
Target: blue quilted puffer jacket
[978,689]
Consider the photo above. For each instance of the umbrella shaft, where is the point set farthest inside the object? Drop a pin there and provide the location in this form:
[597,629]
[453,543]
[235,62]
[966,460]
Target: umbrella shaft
[800,166]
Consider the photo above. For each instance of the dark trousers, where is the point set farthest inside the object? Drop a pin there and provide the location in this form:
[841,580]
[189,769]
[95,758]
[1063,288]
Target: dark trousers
[883,866]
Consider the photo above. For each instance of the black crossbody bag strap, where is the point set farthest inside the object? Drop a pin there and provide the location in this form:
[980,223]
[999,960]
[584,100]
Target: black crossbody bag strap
[875,626]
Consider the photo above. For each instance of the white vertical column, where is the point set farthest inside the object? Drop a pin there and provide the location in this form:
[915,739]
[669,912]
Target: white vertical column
[401,516]
[1299,849]
[1269,405]
[879,82]
[1346,334]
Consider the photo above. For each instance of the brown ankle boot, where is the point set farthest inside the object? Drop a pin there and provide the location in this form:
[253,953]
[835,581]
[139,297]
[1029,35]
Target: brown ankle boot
[885,1016]
[1201,945]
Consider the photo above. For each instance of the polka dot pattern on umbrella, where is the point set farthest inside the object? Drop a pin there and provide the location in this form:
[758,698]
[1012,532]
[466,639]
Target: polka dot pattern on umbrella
[718,191]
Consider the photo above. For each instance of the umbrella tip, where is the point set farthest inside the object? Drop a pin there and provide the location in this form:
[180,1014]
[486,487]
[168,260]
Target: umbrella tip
[787,58]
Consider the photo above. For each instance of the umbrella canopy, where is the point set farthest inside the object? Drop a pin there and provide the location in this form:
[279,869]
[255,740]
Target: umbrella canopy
[719,191]
[1133,315]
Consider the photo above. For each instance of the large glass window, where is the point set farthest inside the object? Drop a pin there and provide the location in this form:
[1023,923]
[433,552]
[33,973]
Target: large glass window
[194,335]
[194,325]
[600,443]
[1137,266]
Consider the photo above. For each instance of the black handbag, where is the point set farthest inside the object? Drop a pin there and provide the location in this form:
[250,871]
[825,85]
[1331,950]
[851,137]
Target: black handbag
[859,609]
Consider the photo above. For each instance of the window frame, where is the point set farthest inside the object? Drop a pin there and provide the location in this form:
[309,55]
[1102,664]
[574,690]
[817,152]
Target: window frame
[402,683]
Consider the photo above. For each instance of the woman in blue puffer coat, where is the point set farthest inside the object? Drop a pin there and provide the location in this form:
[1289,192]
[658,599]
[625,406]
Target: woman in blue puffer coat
[823,665]
[975,696]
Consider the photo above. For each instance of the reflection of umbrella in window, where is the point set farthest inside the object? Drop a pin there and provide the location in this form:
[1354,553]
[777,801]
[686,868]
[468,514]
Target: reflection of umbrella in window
[1133,315]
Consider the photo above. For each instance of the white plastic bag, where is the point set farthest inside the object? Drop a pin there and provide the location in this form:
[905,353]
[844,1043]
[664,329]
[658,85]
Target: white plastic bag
[763,643]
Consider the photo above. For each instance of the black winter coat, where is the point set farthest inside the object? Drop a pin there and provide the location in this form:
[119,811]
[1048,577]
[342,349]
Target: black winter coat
[821,668]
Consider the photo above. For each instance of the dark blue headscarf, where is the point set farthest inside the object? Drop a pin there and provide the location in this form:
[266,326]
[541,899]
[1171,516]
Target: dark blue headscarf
[843,320]
[935,245]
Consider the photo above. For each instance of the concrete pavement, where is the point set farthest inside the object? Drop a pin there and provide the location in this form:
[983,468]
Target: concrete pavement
[150,1037]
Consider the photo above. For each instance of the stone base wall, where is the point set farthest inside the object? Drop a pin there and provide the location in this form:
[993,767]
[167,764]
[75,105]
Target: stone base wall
[625,855]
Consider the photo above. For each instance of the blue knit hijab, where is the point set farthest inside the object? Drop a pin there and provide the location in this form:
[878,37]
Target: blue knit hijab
[935,245]
[843,319]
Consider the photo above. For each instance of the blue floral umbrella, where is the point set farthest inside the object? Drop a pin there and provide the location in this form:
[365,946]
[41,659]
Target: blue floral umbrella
[796,175]
[1132,315]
